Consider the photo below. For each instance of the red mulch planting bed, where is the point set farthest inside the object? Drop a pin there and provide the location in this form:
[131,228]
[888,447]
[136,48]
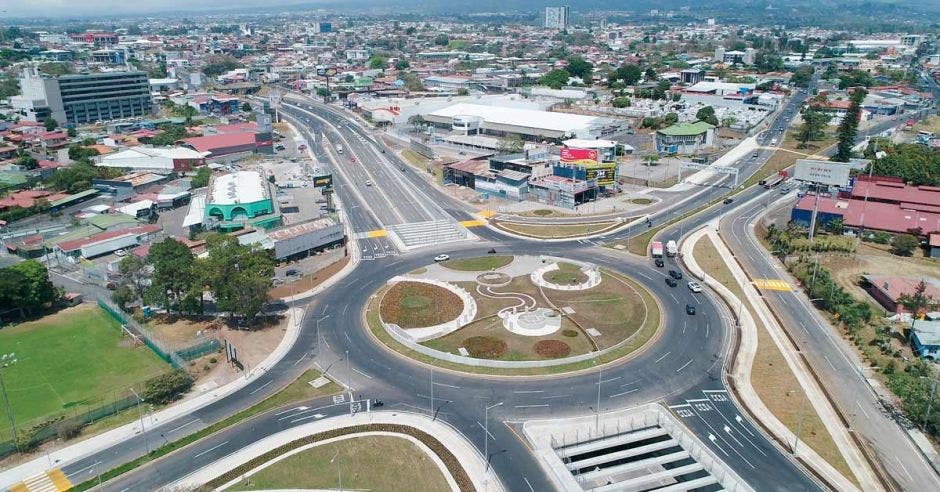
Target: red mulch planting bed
[485,347]
[552,349]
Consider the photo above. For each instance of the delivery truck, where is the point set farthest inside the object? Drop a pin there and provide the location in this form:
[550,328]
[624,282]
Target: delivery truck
[656,248]
[671,248]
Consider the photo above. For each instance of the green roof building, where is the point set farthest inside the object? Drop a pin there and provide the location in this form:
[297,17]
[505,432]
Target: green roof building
[685,138]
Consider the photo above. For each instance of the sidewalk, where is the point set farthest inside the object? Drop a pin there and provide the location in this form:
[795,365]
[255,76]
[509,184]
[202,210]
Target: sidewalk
[468,456]
[741,371]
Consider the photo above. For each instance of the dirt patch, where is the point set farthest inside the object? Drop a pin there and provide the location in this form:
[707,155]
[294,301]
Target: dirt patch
[179,331]
[551,349]
[569,333]
[484,347]
[417,305]
[308,282]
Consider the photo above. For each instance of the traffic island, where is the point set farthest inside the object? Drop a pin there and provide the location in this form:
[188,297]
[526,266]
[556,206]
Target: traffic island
[534,315]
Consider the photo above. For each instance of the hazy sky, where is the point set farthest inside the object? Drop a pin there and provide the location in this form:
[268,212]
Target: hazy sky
[59,8]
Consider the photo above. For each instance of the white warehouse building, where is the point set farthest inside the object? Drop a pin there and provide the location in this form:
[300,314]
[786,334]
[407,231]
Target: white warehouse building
[471,119]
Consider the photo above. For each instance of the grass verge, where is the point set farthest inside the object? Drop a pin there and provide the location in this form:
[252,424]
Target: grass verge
[298,390]
[366,462]
[771,377]
[478,263]
[556,231]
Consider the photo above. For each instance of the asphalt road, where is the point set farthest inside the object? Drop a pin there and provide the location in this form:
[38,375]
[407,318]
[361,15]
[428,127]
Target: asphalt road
[682,368]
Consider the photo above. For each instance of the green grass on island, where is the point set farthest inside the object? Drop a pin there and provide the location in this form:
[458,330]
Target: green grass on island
[365,463]
[477,264]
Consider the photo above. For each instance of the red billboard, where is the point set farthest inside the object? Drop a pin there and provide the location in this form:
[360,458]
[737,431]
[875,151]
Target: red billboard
[572,155]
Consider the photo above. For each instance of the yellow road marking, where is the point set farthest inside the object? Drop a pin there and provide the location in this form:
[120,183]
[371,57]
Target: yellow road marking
[772,284]
[20,487]
[59,479]
[377,233]
[473,223]
[486,213]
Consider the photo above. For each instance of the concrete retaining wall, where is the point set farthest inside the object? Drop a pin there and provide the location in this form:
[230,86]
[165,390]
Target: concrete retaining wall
[427,333]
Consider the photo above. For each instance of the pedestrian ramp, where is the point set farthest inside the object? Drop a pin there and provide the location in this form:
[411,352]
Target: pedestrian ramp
[772,284]
[51,481]
[417,234]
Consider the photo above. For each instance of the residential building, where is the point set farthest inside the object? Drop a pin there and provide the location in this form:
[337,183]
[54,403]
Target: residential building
[887,290]
[925,338]
[557,17]
[160,159]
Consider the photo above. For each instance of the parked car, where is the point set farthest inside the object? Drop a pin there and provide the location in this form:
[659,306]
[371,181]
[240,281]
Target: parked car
[676,274]
[660,263]
[670,282]
[689,309]
[292,272]
[441,257]
[695,287]
[120,252]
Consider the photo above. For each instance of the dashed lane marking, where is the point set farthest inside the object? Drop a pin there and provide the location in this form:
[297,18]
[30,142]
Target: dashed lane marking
[772,284]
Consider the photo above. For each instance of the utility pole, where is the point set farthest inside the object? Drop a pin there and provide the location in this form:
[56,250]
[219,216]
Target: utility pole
[7,360]
[799,424]
[348,376]
[141,415]
[339,469]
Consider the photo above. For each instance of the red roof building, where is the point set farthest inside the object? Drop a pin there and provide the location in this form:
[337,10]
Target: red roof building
[224,144]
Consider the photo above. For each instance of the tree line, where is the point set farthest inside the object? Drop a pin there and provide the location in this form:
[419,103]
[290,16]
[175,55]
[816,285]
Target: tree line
[236,276]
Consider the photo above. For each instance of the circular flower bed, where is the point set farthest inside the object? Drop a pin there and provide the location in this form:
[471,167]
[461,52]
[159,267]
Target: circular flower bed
[552,349]
[485,347]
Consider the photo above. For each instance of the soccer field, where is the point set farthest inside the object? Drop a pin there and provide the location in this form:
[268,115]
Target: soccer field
[68,363]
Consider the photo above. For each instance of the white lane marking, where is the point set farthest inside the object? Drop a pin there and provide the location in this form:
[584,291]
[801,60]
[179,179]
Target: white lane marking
[661,357]
[362,373]
[447,385]
[830,362]
[89,467]
[259,388]
[213,448]
[674,297]
[521,392]
[187,424]
[532,406]
[527,483]
[903,468]
[486,430]
[684,365]
[624,393]
[289,410]
[555,396]
[862,409]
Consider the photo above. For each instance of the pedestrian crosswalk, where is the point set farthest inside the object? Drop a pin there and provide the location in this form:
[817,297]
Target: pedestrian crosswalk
[772,284]
[50,481]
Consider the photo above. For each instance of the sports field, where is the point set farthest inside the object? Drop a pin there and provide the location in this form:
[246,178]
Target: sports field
[70,362]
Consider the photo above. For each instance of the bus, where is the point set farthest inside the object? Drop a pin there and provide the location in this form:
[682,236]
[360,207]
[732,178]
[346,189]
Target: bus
[771,181]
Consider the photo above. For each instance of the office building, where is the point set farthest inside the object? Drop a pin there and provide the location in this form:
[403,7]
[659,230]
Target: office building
[83,98]
[556,17]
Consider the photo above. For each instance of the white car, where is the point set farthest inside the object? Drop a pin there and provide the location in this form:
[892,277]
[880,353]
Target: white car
[120,252]
[441,258]
[695,287]
[368,182]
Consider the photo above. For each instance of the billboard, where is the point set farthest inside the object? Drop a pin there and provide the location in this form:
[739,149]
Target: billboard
[572,155]
[605,173]
[325,181]
[822,172]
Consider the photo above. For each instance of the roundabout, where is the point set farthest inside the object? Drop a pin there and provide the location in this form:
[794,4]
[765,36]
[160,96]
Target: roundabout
[530,315]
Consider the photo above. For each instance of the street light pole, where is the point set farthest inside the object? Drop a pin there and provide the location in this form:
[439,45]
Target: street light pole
[933,394]
[598,405]
[339,469]
[486,434]
[7,360]
[141,415]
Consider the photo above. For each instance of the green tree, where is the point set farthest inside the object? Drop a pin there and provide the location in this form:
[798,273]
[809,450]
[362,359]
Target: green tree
[72,132]
[904,244]
[442,40]
[237,275]
[134,270]
[50,124]
[918,301]
[27,161]
[629,74]
[378,63]
[174,272]
[167,388]
[510,144]
[802,75]
[55,68]
[814,124]
[77,152]
[9,87]
[402,64]
[620,102]
[556,79]
[26,286]
[707,114]
[220,64]
[201,179]
[766,61]
[651,74]
[246,107]
[580,68]
[848,128]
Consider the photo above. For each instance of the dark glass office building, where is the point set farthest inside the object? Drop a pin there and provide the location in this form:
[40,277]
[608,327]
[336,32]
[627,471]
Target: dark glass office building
[105,96]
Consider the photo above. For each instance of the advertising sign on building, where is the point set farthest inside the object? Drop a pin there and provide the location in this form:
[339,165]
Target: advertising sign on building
[572,155]
[822,172]
[604,173]
[325,181]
